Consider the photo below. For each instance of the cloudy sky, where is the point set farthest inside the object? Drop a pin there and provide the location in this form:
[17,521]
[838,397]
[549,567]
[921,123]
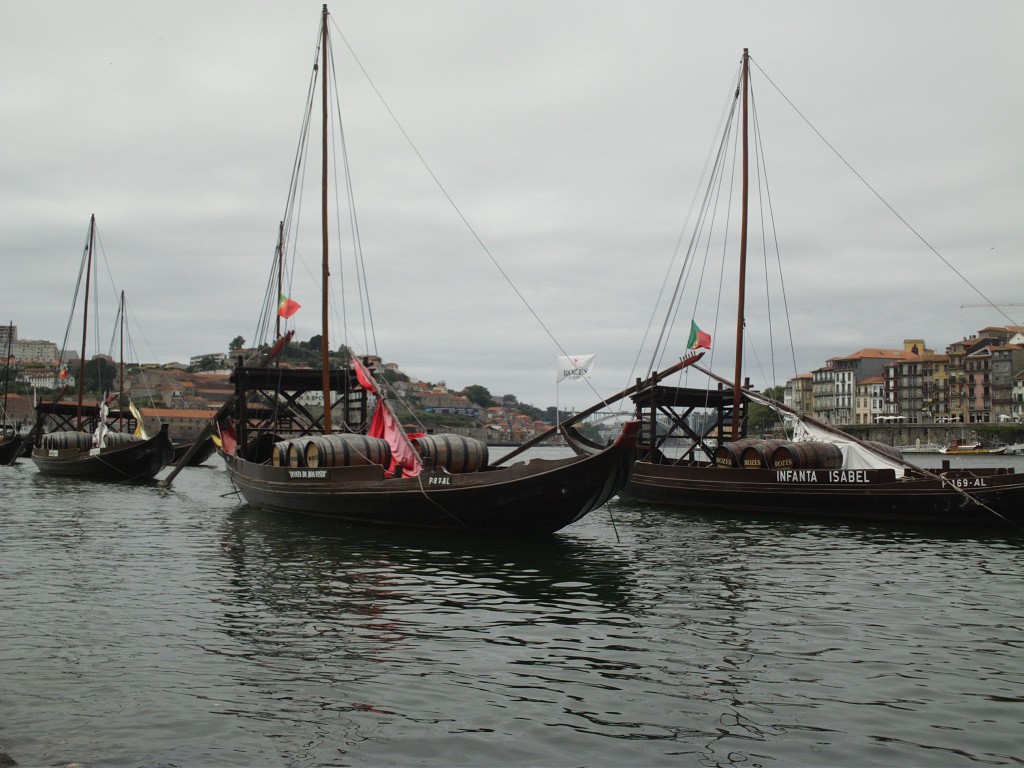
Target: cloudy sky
[569,139]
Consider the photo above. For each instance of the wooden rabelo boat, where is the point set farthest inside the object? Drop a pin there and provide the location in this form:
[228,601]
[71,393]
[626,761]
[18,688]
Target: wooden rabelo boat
[11,447]
[351,460]
[90,441]
[72,451]
[379,475]
[819,471]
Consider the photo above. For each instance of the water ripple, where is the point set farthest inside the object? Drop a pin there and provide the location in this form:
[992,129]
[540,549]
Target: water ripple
[145,627]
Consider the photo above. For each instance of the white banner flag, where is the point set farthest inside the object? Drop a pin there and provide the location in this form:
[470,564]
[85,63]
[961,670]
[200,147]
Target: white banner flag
[574,367]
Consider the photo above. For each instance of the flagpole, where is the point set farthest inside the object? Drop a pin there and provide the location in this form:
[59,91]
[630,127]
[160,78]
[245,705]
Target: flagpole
[557,403]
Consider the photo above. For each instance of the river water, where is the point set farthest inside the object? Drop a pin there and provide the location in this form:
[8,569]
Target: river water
[151,627]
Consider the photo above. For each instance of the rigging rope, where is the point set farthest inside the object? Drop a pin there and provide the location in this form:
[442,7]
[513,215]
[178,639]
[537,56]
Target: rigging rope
[451,200]
[886,203]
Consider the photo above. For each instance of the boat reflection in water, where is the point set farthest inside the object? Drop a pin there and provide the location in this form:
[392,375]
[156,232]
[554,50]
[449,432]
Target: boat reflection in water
[318,571]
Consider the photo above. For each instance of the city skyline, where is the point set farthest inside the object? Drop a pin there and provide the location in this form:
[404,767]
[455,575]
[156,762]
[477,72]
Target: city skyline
[569,137]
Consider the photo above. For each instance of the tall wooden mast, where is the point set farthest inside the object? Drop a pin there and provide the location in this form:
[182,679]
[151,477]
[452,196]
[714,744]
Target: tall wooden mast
[7,367]
[325,349]
[280,278]
[85,322]
[120,373]
[737,379]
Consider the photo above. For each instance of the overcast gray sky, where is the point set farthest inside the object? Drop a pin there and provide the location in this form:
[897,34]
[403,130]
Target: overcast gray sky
[571,136]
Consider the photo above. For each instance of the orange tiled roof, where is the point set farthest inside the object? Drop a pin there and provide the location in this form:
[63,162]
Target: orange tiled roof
[874,353]
[179,413]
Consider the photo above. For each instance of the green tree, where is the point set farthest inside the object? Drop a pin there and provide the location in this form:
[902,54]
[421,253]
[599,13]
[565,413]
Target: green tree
[206,363]
[535,413]
[100,375]
[343,356]
[236,343]
[479,395]
[762,419]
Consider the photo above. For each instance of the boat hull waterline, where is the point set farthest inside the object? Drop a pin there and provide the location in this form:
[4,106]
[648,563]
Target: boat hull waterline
[862,494]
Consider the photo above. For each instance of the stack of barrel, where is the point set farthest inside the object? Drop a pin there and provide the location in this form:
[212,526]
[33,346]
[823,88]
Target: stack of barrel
[55,441]
[753,453]
[340,450]
[455,453]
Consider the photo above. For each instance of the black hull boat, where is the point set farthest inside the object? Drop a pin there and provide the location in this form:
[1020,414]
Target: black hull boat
[324,441]
[11,449]
[281,460]
[125,462]
[536,496]
[961,497]
[66,436]
[89,440]
[695,454]
[822,473]
[11,442]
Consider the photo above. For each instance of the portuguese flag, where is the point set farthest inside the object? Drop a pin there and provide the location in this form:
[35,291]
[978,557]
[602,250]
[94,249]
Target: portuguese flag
[698,338]
[286,307]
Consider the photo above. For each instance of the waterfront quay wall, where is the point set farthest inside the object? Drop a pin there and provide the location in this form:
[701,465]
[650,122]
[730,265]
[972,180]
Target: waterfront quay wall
[922,434]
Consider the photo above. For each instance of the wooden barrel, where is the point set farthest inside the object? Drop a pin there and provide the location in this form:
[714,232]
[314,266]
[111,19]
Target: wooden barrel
[62,440]
[295,452]
[759,455]
[728,455]
[455,453]
[346,451]
[279,455]
[888,450]
[120,438]
[807,454]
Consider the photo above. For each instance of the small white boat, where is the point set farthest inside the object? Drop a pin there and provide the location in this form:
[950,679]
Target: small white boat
[969,448]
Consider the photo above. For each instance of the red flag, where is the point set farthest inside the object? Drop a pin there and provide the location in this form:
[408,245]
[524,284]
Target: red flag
[383,424]
[364,377]
[286,307]
[228,441]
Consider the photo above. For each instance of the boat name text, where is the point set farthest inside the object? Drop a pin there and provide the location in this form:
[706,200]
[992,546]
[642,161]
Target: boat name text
[968,482]
[439,481]
[299,474]
[811,476]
